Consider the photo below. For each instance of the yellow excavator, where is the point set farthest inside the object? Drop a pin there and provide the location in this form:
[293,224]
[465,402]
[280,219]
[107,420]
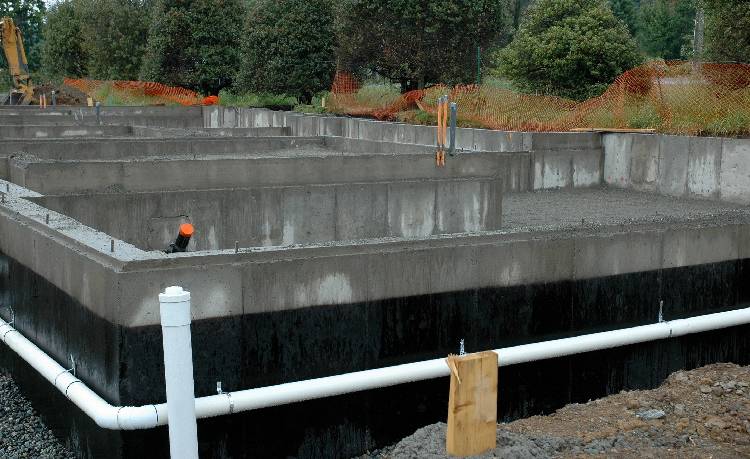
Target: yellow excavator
[15,54]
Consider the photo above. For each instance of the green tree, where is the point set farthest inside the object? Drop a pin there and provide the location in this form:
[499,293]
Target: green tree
[666,28]
[570,48]
[63,54]
[114,36]
[288,48]
[416,43]
[727,36]
[103,39]
[194,43]
[625,10]
[29,17]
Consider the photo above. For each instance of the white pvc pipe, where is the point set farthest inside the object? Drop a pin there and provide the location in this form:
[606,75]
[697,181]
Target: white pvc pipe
[148,416]
[174,308]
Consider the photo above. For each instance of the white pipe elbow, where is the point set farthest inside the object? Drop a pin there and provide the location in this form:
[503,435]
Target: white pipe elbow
[138,417]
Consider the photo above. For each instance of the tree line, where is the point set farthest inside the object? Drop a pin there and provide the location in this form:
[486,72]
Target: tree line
[572,48]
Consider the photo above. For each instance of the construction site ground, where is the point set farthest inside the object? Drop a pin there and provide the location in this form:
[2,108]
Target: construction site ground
[703,413]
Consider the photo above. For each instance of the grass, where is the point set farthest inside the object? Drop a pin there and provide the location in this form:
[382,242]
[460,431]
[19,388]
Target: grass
[680,104]
[109,96]
[644,117]
[734,124]
[378,95]
[257,100]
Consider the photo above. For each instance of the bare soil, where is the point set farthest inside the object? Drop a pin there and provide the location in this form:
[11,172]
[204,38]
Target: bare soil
[703,413]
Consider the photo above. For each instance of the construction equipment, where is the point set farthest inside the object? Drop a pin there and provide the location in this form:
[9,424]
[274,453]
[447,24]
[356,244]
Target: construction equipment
[15,54]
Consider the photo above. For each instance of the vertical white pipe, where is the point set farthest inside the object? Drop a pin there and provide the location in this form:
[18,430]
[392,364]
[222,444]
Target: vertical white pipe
[174,307]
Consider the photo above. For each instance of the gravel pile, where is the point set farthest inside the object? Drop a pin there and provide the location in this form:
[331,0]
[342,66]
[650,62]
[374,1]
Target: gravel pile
[22,432]
[696,414]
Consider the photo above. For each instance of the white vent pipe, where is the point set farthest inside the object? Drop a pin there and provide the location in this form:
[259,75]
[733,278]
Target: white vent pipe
[174,310]
[148,416]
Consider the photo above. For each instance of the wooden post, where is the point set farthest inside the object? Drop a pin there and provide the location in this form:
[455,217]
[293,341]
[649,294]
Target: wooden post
[472,404]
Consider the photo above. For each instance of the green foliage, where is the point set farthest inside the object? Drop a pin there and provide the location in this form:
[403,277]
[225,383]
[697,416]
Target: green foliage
[727,30]
[29,17]
[666,28]
[733,124]
[194,43]
[114,37]
[111,97]
[644,117]
[416,43]
[428,119]
[101,39]
[569,48]
[377,94]
[63,53]
[310,109]
[260,100]
[625,10]
[288,47]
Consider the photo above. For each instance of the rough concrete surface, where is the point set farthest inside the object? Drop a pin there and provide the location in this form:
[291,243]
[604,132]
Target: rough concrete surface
[606,206]
[694,414]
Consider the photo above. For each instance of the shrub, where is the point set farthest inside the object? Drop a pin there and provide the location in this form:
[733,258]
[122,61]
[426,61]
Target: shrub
[568,48]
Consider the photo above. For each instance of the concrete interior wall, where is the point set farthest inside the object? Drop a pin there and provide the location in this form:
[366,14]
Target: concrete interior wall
[297,167]
[276,216]
[697,167]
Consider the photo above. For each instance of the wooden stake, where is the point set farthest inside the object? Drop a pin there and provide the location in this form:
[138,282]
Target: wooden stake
[472,404]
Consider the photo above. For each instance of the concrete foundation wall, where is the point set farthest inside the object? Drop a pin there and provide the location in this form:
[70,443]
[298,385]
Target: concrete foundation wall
[277,278]
[701,167]
[29,131]
[171,117]
[70,177]
[142,131]
[558,160]
[698,167]
[129,148]
[280,216]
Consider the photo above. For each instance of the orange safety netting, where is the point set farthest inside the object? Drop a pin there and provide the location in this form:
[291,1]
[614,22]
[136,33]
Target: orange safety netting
[135,92]
[672,97]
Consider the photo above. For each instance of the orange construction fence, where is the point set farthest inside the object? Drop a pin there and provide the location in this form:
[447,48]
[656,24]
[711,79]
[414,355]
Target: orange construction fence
[144,92]
[673,97]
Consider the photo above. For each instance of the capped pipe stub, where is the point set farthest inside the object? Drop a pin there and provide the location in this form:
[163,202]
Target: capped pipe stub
[174,307]
[186,230]
[174,294]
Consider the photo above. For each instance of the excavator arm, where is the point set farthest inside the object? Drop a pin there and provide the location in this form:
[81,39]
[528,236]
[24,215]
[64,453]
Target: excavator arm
[15,54]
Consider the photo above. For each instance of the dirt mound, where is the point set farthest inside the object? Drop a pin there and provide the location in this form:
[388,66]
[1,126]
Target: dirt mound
[694,414]
[66,95]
